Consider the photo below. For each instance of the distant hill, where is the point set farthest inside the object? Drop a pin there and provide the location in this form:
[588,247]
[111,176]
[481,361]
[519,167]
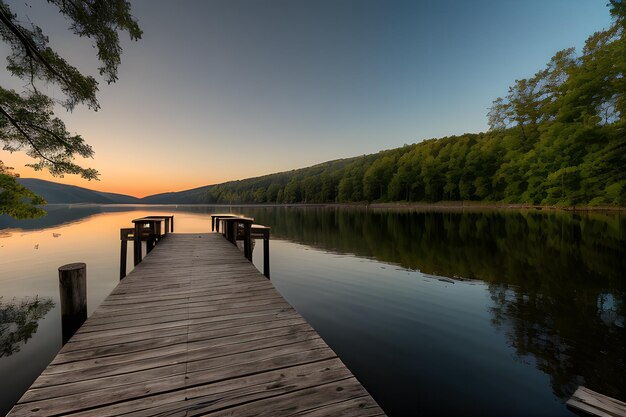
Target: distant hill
[56,193]
[193,196]
[264,189]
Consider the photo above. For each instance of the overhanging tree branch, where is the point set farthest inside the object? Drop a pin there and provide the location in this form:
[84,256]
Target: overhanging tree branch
[26,135]
[49,132]
[27,120]
[30,49]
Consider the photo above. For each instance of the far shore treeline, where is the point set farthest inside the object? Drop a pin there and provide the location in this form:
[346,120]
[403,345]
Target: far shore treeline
[556,138]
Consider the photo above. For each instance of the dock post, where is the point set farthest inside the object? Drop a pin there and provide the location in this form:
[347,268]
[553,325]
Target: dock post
[266,255]
[73,295]
[137,244]
[247,241]
[123,251]
[150,242]
[231,231]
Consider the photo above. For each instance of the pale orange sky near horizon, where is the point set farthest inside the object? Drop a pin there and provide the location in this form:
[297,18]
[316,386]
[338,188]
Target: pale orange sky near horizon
[224,90]
[135,182]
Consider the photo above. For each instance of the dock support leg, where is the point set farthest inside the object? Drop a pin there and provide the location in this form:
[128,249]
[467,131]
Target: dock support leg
[137,245]
[123,255]
[231,232]
[247,242]
[266,256]
[153,236]
[73,295]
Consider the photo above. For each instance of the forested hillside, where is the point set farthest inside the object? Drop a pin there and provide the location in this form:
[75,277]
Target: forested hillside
[55,193]
[556,138]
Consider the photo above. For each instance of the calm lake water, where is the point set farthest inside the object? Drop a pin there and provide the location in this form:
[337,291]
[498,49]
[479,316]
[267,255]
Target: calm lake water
[437,313]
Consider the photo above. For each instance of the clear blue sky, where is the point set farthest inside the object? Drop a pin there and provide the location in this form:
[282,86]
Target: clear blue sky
[220,90]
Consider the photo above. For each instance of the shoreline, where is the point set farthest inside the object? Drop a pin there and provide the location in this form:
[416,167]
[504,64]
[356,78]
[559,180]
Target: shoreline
[462,205]
[442,205]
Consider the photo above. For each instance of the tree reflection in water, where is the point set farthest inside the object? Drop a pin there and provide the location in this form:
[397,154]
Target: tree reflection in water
[566,334]
[556,279]
[19,321]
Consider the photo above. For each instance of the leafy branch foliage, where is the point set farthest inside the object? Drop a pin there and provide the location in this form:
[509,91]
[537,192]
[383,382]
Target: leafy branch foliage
[27,120]
[15,200]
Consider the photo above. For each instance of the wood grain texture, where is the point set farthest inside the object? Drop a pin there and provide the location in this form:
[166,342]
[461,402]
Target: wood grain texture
[596,404]
[195,329]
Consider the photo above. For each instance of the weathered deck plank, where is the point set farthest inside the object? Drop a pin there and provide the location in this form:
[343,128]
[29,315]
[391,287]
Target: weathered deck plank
[596,404]
[195,329]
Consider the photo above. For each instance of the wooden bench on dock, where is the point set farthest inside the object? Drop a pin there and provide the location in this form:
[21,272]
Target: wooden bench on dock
[168,219]
[216,217]
[236,227]
[195,329]
[145,229]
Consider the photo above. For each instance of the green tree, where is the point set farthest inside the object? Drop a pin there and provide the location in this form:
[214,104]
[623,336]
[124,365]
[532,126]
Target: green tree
[311,187]
[377,178]
[259,195]
[406,178]
[16,200]
[271,195]
[292,192]
[27,119]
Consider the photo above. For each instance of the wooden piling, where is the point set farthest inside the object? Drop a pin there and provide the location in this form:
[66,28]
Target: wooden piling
[247,241]
[259,231]
[150,241]
[73,295]
[123,252]
[137,244]
[266,256]
[125,234]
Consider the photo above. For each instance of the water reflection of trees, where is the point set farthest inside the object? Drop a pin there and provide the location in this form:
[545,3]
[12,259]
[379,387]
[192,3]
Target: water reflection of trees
[556,279]
[19,321]
[484,245]
[56,215]
[565,333]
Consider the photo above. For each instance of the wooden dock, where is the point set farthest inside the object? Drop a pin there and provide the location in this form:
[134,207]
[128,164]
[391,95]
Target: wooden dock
[195,329]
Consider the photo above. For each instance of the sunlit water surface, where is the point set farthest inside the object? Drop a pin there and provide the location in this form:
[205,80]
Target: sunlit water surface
[453,313]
